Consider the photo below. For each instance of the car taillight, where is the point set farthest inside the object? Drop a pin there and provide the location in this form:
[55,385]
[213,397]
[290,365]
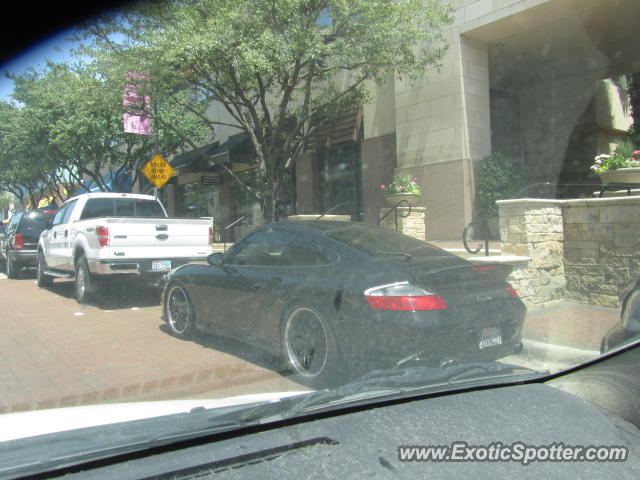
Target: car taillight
[211,236]
[18,241]
[512,291]
[403,296]
[102,233]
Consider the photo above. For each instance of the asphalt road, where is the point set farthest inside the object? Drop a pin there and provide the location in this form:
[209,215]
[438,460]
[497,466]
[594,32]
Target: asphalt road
[55,352]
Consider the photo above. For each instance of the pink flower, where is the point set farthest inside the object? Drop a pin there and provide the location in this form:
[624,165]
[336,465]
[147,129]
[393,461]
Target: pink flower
[401,188]
[382,187]
[637,152]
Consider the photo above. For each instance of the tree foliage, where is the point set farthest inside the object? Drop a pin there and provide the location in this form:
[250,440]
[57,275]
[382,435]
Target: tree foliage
[280,69]
[65,127]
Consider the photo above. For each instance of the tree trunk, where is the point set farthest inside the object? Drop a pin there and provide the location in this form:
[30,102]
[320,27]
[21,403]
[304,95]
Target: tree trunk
[269,207]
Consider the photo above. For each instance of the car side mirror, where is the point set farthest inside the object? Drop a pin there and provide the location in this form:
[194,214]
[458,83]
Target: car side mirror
[215,259]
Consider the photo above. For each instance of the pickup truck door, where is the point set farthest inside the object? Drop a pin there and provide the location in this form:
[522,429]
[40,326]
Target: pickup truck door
[58,239]
[67,240]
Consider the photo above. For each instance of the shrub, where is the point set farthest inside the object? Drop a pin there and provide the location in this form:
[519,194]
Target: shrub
[498,179]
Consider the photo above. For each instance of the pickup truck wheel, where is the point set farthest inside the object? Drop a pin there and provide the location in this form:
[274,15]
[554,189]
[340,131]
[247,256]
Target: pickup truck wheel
[84,282]
[44,280]
[11,268]
[179,312]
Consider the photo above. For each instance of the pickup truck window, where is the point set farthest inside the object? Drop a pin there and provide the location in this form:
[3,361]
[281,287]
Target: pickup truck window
[121,207]
[68,211]
[57,220]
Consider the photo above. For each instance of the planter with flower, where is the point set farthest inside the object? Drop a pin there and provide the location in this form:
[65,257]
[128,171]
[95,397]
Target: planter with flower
[402,188]
[621,167]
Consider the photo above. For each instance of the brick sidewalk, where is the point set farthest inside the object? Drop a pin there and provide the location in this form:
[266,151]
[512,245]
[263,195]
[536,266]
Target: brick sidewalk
[54,352]
[571,324]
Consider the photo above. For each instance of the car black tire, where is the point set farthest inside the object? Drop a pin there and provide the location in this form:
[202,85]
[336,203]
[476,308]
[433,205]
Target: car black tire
[309,348]
[178,312]
[43,279]
[83,281]
[11,268]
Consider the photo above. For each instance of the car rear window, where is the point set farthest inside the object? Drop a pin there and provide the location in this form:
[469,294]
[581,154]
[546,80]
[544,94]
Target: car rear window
[122,207]
[36,220]
[390,244]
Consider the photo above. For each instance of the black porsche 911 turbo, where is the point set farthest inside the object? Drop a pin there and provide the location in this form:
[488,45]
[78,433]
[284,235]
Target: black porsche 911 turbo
[331,298]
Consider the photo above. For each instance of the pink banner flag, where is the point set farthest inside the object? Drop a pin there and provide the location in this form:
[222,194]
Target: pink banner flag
[136,117]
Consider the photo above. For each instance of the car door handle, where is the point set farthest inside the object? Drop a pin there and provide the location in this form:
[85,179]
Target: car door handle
[66,233]
[55,234]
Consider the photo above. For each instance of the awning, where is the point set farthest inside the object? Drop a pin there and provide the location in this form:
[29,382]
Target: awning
[341,130]
[236,149]
[194,160]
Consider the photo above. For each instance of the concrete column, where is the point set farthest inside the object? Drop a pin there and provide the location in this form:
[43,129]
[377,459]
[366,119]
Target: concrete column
[443,129]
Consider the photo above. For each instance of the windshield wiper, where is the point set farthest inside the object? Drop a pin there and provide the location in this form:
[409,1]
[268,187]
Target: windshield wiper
[403,382]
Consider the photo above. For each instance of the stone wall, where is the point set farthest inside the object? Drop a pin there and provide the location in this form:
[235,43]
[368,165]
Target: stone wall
[413,224]
[601,248]
[534,229]
[585,250]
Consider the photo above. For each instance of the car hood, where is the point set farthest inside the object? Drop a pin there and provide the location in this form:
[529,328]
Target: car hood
[40,422]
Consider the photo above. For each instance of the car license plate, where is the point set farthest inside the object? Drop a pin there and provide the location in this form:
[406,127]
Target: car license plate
[490,337]
[161,265]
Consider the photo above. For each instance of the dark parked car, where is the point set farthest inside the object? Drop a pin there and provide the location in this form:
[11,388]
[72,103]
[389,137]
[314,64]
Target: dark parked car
[323,295]
[629,327]
[21,239]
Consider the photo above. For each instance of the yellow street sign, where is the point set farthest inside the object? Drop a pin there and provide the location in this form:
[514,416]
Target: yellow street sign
[158,171]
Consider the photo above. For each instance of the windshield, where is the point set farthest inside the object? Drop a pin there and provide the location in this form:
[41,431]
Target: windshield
[383,196]
[385,243]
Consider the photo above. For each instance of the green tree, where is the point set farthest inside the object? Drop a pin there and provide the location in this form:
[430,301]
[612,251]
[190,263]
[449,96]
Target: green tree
[23,167]
[281,69]
[69,123]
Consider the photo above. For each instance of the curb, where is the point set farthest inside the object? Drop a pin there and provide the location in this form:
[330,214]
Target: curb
[553,353]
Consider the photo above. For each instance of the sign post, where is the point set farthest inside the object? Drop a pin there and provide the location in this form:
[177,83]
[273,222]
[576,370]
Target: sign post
[158,171]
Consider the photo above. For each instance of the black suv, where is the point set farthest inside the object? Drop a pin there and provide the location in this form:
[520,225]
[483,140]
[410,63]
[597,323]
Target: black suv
[20,245]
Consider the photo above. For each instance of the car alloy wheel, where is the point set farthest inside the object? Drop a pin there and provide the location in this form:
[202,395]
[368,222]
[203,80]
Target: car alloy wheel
[179,312]
[306,342]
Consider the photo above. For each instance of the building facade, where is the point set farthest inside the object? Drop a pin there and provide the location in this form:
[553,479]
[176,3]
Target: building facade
[526,78]
[535,80]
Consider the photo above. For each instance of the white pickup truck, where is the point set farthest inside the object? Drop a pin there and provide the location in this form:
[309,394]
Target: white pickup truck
[107,235]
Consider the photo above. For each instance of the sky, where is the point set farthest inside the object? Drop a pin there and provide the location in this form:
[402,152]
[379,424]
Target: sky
[36,57]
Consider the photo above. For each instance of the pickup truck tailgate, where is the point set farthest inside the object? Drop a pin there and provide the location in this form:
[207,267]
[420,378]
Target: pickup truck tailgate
[158,237]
